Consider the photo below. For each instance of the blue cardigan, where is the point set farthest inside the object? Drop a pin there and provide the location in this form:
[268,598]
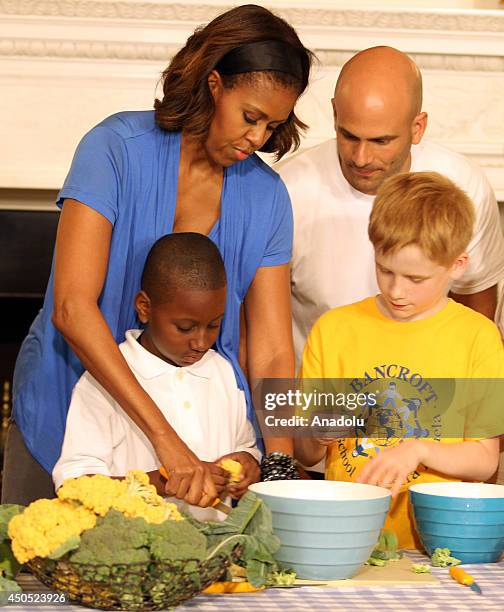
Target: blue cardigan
[126,168]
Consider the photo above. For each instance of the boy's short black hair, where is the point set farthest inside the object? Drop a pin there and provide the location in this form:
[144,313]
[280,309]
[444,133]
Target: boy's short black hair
[186,260]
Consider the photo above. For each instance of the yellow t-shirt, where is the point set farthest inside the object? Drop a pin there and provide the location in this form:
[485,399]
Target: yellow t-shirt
[401,363]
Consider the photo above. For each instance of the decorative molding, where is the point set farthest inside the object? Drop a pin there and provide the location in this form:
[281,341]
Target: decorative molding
[386,19]
[485,160]
[456,63]
[94,57]
[445,20]
[85,49]
[142,51]
[430,61]
[96,9]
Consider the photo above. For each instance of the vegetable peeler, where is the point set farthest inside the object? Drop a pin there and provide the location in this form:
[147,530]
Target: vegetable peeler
[462,577]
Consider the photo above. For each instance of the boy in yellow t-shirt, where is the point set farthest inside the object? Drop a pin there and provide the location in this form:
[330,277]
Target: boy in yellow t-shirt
[398,346]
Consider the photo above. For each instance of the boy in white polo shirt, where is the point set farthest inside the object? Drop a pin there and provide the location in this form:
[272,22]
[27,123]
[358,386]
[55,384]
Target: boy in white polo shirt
[181,304]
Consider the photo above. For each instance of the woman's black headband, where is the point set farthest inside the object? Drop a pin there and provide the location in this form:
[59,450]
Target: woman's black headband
[264,55]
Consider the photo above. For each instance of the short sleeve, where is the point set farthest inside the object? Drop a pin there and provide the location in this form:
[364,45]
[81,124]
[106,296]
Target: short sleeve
[279,245]
[486,249]
[245,435]
[89,434]
[96,173]
[486,386]
[311,364]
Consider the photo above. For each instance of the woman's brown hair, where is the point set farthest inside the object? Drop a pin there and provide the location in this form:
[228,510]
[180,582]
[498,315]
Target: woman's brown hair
[187,103]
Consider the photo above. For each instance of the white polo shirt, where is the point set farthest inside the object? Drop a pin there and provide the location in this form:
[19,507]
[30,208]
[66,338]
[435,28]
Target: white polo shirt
[201,402]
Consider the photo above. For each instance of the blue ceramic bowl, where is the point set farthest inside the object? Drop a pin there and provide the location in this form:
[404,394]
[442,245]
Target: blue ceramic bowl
[327,528]
[466,517]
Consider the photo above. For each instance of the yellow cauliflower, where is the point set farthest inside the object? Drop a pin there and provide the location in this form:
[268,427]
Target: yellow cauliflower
[97,493]
[234,468]
[45,525]
[134,496]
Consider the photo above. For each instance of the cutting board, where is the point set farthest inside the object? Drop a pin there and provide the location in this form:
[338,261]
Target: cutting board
[394,573]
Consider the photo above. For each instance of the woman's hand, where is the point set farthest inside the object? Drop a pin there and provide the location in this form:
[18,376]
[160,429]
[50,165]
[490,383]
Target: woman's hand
[250,473]
[189,478]
[268,330]
[390,468]
[219,476]
[81,261]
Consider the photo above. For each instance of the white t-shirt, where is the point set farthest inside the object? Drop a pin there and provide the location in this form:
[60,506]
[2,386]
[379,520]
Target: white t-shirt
[333,259]
[201,402]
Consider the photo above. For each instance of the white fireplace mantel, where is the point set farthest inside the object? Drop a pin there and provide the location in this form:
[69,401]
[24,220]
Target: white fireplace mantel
[65,65]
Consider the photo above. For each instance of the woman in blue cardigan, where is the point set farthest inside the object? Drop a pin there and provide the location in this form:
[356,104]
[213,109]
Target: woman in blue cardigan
[189,165]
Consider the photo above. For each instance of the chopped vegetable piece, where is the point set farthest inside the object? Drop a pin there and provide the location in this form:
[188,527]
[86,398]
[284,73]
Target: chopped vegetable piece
[233,468]
[441,558]
[420,568]
[283,578]
[386,548]
[375,561]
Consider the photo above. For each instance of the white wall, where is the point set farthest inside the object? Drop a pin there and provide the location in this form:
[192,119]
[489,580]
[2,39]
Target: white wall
[66,65]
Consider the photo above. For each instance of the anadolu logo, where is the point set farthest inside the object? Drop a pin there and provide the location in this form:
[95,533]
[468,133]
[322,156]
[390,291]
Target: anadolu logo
[408,405]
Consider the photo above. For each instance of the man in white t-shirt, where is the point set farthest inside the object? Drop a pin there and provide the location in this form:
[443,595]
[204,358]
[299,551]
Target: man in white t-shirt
[379,127]
[181,305]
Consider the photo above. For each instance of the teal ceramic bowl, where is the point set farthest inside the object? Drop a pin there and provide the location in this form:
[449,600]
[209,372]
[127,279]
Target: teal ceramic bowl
[327,528]
[466,517]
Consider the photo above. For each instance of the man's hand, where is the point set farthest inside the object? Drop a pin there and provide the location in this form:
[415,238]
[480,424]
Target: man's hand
[250,473]
[390,468]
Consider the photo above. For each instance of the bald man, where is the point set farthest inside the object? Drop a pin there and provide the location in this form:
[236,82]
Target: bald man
[379,128]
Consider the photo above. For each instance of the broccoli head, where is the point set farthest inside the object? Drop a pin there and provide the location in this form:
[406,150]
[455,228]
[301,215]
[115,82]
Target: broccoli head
[176,540]
[116,539]
[106,552]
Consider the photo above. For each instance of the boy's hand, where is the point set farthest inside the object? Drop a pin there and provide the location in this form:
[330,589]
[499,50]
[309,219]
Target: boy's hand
[390,468]
[159,481]
[219,475]
[250,473]
[325,441]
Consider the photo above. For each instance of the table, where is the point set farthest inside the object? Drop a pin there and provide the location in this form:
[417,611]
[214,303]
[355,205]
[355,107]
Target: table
[447,596]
